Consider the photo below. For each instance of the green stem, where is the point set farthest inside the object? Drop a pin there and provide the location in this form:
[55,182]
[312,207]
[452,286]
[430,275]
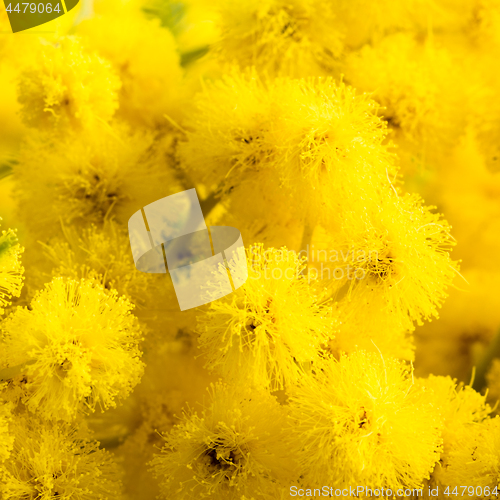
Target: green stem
[484,364]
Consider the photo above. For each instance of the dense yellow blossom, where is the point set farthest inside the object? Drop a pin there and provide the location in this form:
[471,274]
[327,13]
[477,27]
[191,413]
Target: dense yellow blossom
[399,266]
[315,139]
[314,126]
[54,460]
[362,420]
[67,87]
[11,270]
[78,347]
[267,331]
[235,447]
[415,85]
[145,57]
[297,37]
[89,176]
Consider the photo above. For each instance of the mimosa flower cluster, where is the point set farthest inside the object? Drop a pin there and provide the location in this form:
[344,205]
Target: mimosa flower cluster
[367,131]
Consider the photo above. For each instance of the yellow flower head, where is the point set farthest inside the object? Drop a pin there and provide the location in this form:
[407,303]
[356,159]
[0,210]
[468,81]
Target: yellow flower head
[11,270]
[399,253]
[89,176]
[296,38]
[363,421]
[271,327]
[418,86]
[54,460]
[314,139]
[145,57]
[67,87]
[78,347]
[235,447]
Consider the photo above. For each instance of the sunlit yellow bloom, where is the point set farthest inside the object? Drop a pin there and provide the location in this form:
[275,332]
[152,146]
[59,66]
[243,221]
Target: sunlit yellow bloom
[67,87]
[89,176]
[297,38]
[399,254]
[78,347]
[268,330]
[417,85]
[313,139]
[145,56]
[363,421]
[235,447]
[54,460]
[97,252]
[474,460]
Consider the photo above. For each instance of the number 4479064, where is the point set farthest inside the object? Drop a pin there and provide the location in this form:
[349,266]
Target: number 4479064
[470,491]
[33,8]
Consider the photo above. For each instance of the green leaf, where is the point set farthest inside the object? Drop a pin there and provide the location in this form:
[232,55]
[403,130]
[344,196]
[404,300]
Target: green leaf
[190,57]
[5,170]
[170,14]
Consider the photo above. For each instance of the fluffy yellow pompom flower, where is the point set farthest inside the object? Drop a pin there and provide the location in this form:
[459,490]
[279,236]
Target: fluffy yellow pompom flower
[11,270]
[77,345]
[6,436]
[55,461]
[145,56]
[296,38]
[400,256]
[235,447]
[271,327]
[417,84]
[324,144]
[88,176]
[67,87]
[363,421]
